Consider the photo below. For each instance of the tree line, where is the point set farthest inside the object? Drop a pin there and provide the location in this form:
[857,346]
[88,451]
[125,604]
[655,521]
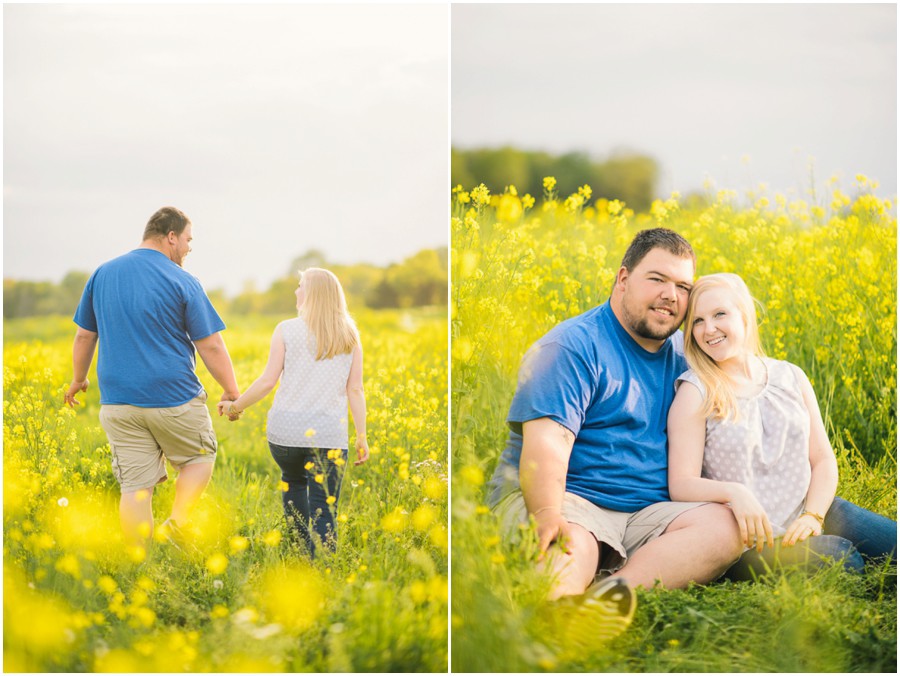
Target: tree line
[629,177]
[419,280]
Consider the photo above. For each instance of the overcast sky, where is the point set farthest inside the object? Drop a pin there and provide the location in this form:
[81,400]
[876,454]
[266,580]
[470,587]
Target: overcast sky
[276,129]
[741,94]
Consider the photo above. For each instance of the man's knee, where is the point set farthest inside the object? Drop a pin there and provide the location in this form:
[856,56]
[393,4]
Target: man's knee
[716,524]
[573,561]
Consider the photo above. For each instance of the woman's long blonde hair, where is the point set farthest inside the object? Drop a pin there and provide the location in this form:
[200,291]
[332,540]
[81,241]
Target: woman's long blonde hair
[720,398]
[325,311]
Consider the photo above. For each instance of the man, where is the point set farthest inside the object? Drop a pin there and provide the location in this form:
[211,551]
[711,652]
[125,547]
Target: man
[587,452]
[148,314]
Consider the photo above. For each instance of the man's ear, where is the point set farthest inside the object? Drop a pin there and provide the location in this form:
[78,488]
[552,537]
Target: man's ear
[621,276]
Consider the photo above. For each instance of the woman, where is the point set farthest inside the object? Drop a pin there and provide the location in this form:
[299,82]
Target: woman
[318,357]
[747,431]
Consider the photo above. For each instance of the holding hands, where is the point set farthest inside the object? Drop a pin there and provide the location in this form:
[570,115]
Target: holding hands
[226,407]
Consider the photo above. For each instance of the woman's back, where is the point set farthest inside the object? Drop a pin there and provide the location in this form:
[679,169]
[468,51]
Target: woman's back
[310,406]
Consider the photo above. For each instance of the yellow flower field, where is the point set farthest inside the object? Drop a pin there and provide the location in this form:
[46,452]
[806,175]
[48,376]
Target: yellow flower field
[238,598]
[825,273]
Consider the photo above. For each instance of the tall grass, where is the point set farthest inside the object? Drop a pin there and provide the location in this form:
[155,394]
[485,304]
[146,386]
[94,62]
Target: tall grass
[826,277]
[239,598]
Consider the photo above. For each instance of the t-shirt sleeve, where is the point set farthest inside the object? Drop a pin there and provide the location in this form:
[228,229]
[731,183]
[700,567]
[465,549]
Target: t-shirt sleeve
[689,377]
[84,313]
[200,316]
[553,383]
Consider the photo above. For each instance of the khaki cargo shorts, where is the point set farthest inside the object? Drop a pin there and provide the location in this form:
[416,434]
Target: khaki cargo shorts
[623,532]
[141,439]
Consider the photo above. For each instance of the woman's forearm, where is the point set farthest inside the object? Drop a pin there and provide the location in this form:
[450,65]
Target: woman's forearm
[356,397]
[258,390]
[698,489]
[822,486]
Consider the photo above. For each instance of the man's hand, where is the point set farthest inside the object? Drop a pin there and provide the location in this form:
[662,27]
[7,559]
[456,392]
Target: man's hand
[76,386]
[551,527]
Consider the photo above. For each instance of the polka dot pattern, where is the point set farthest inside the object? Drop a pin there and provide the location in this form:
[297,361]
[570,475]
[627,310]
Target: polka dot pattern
[767,448]
[310,406]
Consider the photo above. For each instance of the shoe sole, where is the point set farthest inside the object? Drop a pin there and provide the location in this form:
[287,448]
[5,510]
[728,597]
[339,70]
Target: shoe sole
[604,612]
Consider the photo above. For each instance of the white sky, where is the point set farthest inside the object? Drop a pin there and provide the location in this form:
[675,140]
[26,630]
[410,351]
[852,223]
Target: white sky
[276,129]
[741,94]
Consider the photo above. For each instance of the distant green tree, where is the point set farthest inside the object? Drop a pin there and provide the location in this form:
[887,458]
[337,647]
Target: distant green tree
[247,301]
[70,290]
[630,177]
[27,298]
[420,279]
[384,295]
[358,280]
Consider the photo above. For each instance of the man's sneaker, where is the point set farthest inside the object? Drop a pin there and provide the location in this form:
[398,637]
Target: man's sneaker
[168,531]
[600,614]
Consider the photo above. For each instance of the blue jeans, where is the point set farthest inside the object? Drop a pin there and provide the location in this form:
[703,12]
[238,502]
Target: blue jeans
[305,501]
[851,535]
[873,535]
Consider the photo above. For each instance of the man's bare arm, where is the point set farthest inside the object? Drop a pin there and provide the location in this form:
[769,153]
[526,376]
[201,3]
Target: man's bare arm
[214,354]
[546,447]
[82,355]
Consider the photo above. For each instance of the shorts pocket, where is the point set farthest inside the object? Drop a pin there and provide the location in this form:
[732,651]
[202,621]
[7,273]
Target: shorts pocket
[208,442]
[117,471]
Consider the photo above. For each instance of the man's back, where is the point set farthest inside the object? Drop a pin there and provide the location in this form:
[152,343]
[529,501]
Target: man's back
[147,311]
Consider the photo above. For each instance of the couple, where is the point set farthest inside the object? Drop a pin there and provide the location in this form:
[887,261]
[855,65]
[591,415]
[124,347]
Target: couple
[148,315]
[646,455]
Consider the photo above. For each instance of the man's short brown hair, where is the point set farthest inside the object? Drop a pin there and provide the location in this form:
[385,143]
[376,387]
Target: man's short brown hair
[164,221]
[656,238]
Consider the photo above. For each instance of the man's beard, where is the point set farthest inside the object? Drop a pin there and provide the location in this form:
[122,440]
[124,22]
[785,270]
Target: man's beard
[642,326]
[644,330]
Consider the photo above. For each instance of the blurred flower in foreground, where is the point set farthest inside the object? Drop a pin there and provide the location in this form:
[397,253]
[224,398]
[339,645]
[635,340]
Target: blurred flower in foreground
[217,563]
[292,596]
[238,544]
[394,521]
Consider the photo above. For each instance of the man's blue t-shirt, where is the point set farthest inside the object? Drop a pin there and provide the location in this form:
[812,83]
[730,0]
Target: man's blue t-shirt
[589,375]
[146,311]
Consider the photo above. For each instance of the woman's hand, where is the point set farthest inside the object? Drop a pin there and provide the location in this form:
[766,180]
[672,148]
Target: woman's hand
[225,407]
[751,518]
[362,450]
[802,527]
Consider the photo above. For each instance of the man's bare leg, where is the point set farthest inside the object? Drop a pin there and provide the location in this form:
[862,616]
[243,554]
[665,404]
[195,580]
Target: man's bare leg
[136,516]
[189,486]
[594,617]
[699,545]
[573,571]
